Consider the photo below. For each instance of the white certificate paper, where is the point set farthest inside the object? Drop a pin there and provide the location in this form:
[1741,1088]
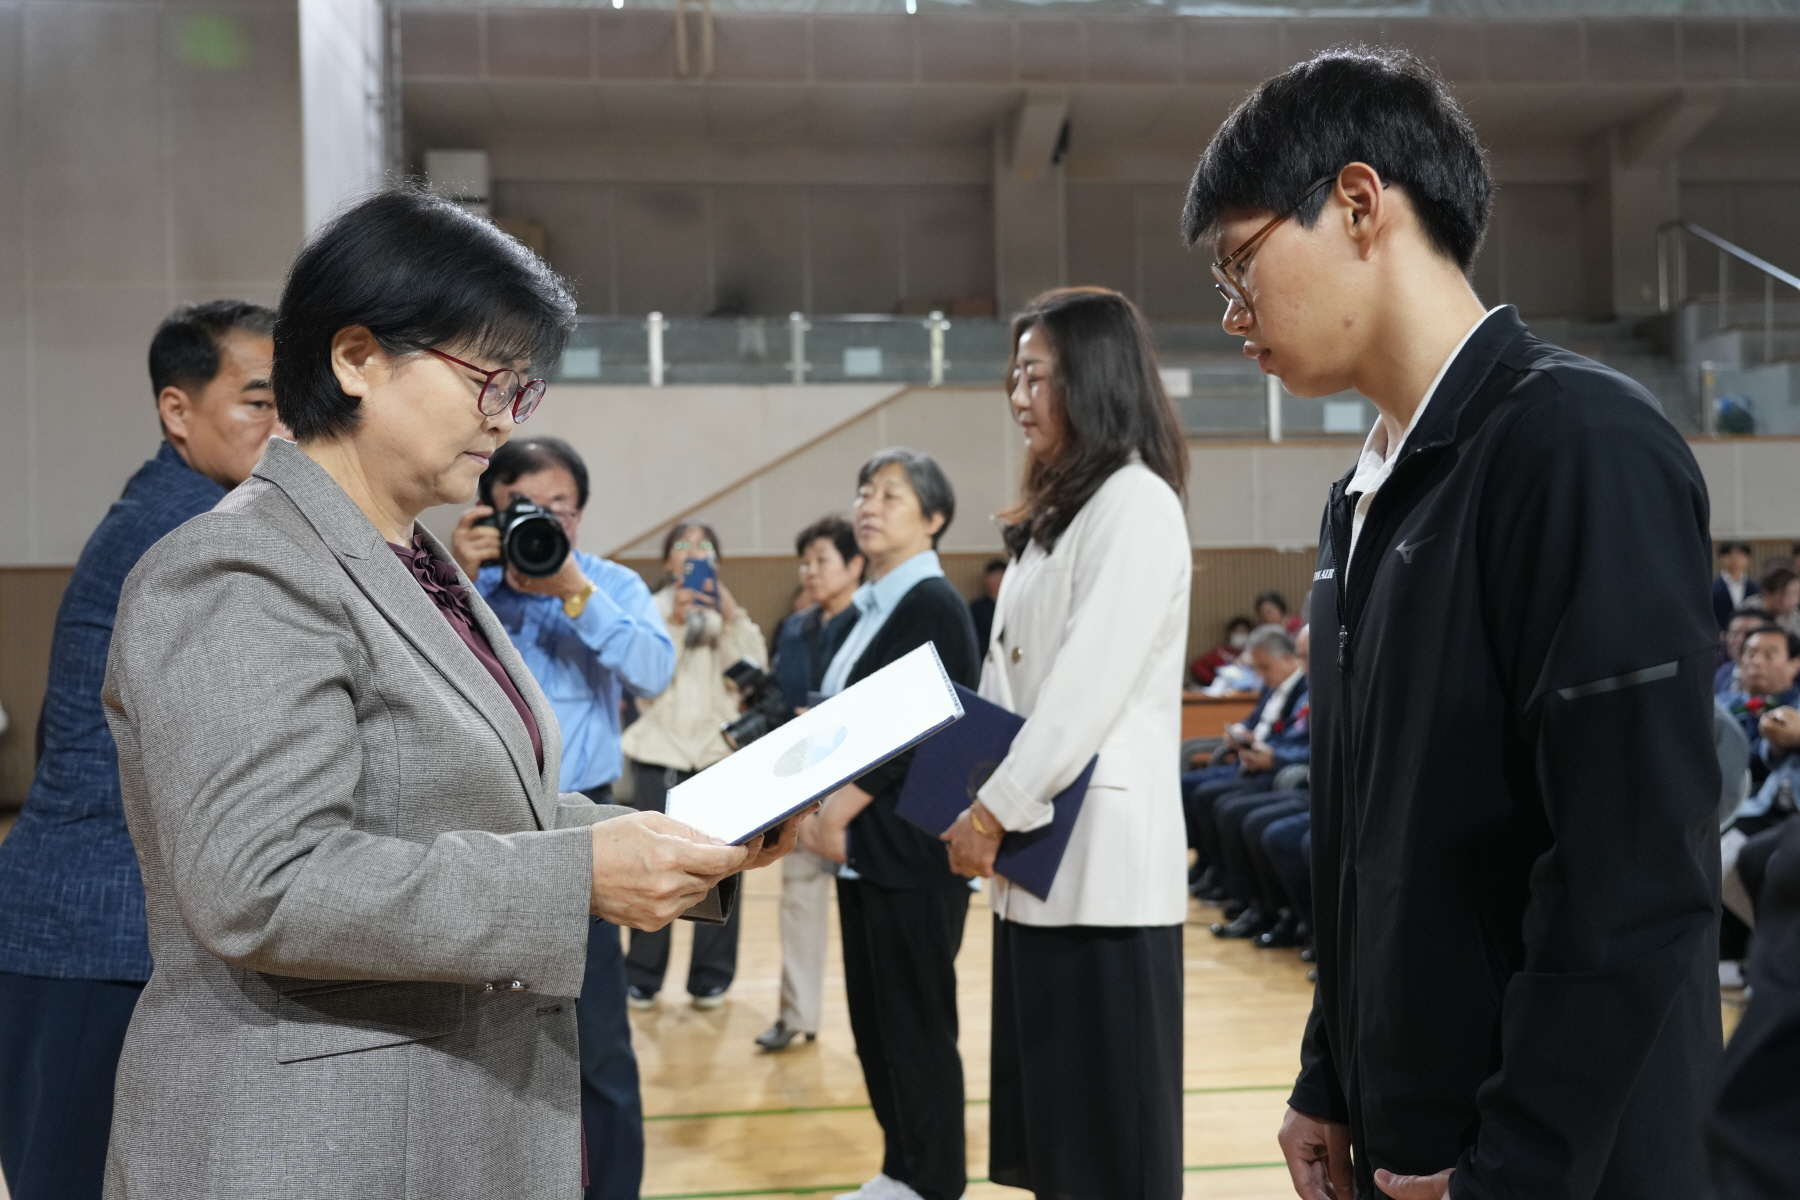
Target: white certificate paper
[820,750]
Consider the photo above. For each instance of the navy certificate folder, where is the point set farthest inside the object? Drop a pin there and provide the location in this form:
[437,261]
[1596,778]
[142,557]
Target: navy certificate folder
[949,767]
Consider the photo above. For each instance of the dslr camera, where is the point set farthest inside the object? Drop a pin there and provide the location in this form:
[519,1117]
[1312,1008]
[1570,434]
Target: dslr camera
[765,706]
[532,538]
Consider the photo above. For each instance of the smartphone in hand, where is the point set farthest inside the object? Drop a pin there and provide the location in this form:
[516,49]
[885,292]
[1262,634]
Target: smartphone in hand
[699,576]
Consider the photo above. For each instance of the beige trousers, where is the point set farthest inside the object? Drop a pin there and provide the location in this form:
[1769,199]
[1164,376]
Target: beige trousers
[805,915]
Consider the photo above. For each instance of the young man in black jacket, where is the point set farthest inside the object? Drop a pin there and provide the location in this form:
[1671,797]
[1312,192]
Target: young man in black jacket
[1513,781]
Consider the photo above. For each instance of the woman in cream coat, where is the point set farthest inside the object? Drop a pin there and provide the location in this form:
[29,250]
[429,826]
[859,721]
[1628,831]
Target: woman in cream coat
[1087,645]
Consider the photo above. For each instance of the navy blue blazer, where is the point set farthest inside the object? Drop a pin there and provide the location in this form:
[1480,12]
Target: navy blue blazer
[1721,598]
[71,901]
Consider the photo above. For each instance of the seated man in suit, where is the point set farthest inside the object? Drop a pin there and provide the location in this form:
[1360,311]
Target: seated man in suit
[1767,666]
[1254,750]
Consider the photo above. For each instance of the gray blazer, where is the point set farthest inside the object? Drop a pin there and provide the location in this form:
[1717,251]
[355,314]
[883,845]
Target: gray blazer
[368,906]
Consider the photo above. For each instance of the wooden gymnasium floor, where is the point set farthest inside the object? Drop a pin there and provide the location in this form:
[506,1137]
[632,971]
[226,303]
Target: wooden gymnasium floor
[723,1119]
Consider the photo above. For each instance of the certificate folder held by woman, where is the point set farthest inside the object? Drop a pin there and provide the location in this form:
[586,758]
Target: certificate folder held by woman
[947,771]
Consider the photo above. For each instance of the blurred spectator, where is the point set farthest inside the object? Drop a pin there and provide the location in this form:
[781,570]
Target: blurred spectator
[1766,669]
[1779,592]
[1253,900]
[1254,750]
[1733,583]
[981,609]
[586,634]
[677,735]
[1731,644]
[831,568]
[1237,635]
[1272,609]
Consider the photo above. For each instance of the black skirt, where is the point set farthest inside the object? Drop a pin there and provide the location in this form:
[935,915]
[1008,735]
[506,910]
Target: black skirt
[1087,1064]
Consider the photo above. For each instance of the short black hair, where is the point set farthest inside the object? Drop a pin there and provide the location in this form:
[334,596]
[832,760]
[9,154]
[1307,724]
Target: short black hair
[924,476]
[1776,579]
[1737,548]
[1367,104]
[1793,551]
[527,457]
[417,271]
[1239,622]
[184,353]
[1788,637]
[993,564]
[837,530]
[1275,598]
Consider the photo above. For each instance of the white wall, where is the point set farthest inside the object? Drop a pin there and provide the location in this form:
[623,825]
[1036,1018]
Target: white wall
[342,84]
[153,157]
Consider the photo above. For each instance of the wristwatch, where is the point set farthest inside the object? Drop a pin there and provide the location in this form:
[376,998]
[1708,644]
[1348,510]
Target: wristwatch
[574,606]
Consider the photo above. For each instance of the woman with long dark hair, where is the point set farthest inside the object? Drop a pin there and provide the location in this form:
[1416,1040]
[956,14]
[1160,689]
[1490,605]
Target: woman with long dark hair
[1088,640]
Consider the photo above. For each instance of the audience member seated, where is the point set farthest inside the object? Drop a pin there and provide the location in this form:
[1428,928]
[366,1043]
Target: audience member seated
[1779,593]
[1272,609]
[1254,750]
[1253,901]
[1733,585]
[1237,635]
[1287,851]
[981,608]
[1731,644]
[1766,669]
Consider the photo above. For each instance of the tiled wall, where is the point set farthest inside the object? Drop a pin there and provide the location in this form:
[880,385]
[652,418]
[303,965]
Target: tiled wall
[152,155]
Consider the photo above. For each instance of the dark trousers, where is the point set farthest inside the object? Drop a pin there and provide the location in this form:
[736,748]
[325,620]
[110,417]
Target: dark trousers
[1201,792]
[1287,844]
[612,1111]
[59,1054]
[900,980]
[1242,819]
[714,962]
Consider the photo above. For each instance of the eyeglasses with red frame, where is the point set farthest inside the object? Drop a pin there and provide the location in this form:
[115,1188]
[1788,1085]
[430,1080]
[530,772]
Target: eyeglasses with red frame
[502,389]
[1232,286]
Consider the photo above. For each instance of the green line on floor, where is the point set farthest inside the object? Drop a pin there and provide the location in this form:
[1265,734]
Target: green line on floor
[815,1189]
[801,1109]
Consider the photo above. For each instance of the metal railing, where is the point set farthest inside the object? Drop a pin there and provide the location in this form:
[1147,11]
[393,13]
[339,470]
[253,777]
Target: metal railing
[1672,276]
[1216,391]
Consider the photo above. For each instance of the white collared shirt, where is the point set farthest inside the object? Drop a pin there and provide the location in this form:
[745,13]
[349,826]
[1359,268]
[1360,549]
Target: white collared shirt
[1378,456]
[875,603]
[1271,711]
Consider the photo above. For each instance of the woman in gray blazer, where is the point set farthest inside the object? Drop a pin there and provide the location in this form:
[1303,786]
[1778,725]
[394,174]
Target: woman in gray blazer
[368,905]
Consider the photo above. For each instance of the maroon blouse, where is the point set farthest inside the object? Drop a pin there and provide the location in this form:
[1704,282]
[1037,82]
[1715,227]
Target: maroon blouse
[439,580]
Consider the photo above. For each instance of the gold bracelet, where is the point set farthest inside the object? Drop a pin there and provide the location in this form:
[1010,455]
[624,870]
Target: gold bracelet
[976,822]
[574,606]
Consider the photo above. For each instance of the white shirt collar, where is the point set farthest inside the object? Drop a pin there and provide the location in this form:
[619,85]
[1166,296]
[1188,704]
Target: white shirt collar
[1378,457]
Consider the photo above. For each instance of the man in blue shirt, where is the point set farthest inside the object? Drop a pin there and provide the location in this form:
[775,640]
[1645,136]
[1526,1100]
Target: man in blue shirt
[74,953]
[588,633]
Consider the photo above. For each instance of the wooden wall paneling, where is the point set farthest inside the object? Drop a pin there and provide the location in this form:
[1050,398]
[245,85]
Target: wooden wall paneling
[28,600]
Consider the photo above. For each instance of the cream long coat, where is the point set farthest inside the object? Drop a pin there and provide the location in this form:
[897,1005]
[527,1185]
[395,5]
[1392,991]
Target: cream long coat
[1087,646]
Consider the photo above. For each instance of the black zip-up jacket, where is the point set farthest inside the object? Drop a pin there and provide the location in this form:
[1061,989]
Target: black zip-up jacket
[1515,855]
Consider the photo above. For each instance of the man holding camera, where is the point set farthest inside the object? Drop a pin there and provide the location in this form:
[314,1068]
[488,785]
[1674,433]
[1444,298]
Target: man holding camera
[588,629]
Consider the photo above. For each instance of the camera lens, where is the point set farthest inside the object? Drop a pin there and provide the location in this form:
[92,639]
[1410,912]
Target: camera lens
[536,545]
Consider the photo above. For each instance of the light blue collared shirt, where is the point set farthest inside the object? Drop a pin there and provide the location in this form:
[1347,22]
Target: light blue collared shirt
[619,639]
[875,604]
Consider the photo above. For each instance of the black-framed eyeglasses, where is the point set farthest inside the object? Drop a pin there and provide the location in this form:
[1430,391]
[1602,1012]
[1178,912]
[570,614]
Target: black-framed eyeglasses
[1231,286]
[502,389]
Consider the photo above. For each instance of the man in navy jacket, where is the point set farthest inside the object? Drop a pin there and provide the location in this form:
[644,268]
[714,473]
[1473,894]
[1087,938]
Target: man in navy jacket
[1513,783]
[74,953]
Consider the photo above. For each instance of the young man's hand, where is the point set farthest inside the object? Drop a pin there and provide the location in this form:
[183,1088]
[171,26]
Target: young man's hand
[1318,1156]
[1414,1187]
